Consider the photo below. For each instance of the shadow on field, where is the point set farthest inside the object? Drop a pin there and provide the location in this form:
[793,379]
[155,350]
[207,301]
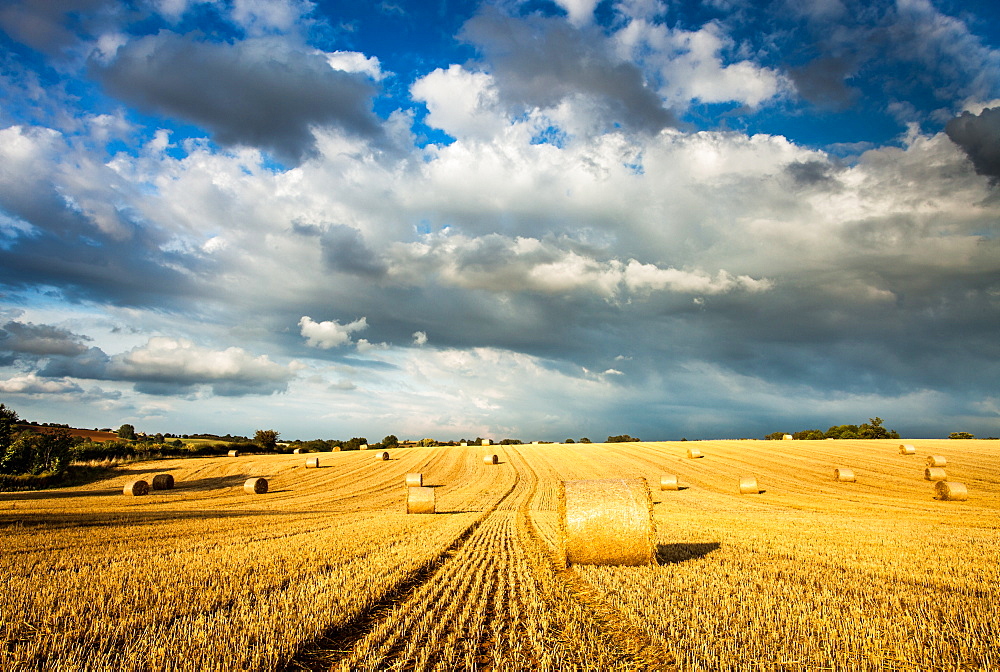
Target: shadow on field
[117,519]
[669,554]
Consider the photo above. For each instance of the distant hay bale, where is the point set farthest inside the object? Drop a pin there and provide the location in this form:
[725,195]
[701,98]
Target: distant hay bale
[382,455]
[669,482]
[694,452]
[786,437]
[296,451]
[936,461]
[935,474]
[255,486]
[492,458]
[420,500]
[234,453]
[949,491]
[414,480]
[907,449]
[163,482]
[363,446]
[136,488]
[464,443]
[748,486]
[335,449]
[312,463]
[486,442]
[607,522]
[844,475]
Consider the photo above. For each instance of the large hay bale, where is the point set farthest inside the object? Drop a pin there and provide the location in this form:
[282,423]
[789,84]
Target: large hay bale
[950,491]
[420,500]
[335,449]
[163,482]
[136,488]
[844,475]
[669,482]
[255,486]
[296,451]
[694,452]
[935,474]
[786,437]
[312,463]
[748,486]
[607,522]
[492,458]
[414,480]
[907,449]
[936,461]
[382,455]
[234,453]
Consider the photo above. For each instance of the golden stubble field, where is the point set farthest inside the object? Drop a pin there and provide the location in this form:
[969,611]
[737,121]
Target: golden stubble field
[327,571]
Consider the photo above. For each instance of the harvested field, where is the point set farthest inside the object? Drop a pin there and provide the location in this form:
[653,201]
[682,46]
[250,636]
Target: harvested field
[327,571]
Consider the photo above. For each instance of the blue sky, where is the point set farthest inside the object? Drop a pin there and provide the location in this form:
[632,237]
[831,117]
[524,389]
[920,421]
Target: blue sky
[537,220]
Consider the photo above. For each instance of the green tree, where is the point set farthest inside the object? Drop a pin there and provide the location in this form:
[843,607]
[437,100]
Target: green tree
[267,439]
[621,438]
[126,432]
[873,429]
[809,434]
[8,423]
[37,453]
[960,435]
[775,436]
[390,441]
[569,441]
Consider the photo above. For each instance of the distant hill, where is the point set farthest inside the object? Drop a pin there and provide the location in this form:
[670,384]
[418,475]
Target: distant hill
[89,434]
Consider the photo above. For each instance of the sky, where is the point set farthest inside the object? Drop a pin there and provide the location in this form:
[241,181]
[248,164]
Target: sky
[532,219]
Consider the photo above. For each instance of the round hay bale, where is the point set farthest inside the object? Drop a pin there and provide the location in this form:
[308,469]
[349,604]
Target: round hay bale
[363,446]
[907,449]
[255,486]
[136,488]
[936,461]
[949,491]
[312,463]
[335,449]
[414,480]
[492,458]
[234,453]
[844,475]
[420,500]
[748,486]
[163,482]
[668,482]
[786,437]
[296,451]
[935,474]
[694,452]
[382,455]
[607,522]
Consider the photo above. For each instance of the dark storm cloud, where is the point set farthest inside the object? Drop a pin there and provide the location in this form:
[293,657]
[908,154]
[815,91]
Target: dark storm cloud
[541,61]
[40,339]
[979,137]
[821,82]
[259,92]
[345,250]
[45,25]
[811,173]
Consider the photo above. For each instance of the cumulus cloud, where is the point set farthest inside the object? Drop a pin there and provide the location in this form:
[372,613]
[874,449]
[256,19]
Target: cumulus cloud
[329,333]
[31,384]
[262,92]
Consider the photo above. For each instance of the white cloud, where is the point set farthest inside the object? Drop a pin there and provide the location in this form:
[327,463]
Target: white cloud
[463,104]
[354,61]
[689,66]
[329,334]
[180,361]
[420,338]
[580,12]
[31,384]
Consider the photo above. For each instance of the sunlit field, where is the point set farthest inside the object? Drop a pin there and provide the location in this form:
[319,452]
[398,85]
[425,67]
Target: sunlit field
[328,571]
